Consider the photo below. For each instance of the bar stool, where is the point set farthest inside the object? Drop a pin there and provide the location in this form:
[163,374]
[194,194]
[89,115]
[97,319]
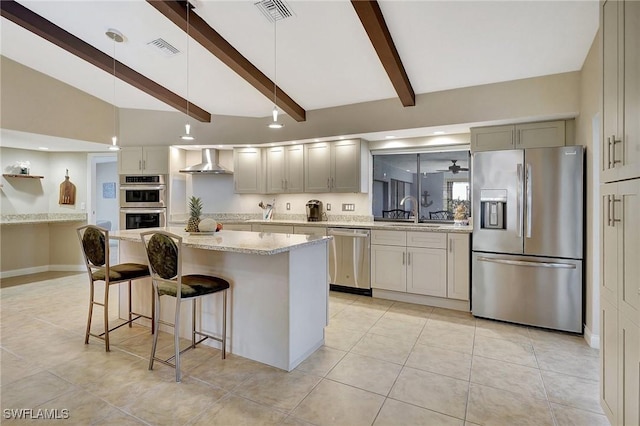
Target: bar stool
[94,241]
[164,254]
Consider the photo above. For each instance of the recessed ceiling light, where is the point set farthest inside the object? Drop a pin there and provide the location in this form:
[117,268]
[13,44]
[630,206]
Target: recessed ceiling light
[440,132]
[316,140]
[44,148]
[341,137]
[409,170]
[389,137]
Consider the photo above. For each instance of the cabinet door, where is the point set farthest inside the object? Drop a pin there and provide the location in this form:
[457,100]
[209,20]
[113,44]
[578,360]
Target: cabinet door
[345,166]
[626,212]
[277,229]
[236,226]
[427,271]
[247,170]
[294,166]
[155,160]
[609,245]
[320,231]
[276,170]
[611,107]
[130,160]
[609,360]
[492,138]
[317,167]
[629,374]
[388,268]
[630,155]
[539,135]
[458,260]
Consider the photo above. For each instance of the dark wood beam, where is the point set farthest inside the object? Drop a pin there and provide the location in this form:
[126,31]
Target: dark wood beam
[374,24]
[35,23]
[210,39]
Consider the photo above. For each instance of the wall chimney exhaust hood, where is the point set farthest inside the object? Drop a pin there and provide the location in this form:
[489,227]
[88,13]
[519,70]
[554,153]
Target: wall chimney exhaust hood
[209,164]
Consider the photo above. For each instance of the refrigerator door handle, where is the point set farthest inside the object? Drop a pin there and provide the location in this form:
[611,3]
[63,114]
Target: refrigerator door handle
[527,263]
[519,201]
[529,200]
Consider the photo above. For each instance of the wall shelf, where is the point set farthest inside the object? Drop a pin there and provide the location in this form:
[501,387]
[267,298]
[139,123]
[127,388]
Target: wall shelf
[23,176]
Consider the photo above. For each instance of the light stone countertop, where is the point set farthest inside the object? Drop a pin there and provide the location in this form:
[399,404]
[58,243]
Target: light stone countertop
[37,218]
[262,243]
[393,226]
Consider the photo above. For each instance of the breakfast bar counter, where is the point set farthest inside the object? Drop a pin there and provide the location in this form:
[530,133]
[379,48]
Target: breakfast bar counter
[279,290]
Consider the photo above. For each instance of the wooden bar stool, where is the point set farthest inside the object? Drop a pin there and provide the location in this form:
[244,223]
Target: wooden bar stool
[95,248]
[164,254]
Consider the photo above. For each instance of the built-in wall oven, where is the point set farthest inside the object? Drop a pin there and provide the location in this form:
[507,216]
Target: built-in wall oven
[143,201]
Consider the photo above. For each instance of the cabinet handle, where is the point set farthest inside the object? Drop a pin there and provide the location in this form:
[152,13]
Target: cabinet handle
[139,164]
[286,184]
[144,164]
[408,258]
[329,183]
[450,245]
[332,185]
[613,210]
[612,141]
[609,209]
[403,256]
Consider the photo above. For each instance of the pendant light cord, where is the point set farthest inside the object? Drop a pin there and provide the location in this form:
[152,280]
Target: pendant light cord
[114,89]
[188,61]
[275,68]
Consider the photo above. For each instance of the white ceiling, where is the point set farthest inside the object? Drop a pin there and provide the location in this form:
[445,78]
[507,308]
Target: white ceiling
[324,57]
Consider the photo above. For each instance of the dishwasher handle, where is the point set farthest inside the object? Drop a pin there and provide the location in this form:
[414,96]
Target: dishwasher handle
[353,234]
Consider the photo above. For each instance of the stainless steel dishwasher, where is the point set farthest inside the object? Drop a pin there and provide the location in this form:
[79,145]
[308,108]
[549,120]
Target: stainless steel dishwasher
[350,260]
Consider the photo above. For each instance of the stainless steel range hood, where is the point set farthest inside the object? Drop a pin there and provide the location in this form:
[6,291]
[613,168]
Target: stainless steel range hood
[209,164]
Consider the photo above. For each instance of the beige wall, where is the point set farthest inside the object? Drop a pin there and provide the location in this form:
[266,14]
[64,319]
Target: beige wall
[590,107]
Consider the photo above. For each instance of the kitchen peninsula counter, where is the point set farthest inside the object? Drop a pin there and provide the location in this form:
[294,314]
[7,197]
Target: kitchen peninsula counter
[37,218]
[278,302]
[384,225]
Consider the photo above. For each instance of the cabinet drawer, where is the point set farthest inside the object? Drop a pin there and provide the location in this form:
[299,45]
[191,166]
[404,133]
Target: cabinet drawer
[236,226]
[390,238]
[275,229]
[310,230]
[427,239]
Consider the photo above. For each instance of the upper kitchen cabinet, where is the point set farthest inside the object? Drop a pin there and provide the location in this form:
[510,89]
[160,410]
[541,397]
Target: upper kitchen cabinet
[620,28]
[519,136]
[143,160]
[340,166]
[247,171]
[285,169]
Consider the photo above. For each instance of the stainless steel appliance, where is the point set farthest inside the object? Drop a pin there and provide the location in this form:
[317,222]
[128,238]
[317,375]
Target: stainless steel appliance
[143,218]
[143,191]
[143,201]
[528,236]
[350,260]
[314,211]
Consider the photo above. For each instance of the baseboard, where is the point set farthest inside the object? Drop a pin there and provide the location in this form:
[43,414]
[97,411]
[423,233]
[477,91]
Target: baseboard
[39,269]
[439,302]
[592,340]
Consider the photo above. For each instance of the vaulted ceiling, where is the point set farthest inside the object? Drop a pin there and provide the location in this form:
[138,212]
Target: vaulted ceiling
[323,56]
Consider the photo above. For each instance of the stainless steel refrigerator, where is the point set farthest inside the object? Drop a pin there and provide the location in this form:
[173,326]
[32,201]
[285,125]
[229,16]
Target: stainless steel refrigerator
[528,214]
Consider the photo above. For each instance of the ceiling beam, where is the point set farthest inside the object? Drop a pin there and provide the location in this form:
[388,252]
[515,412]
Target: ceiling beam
[374,24]
[35,23]
[211,40]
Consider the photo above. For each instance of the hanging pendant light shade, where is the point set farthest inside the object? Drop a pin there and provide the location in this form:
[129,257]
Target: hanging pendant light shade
[187,127]
[117,37]
[275,124]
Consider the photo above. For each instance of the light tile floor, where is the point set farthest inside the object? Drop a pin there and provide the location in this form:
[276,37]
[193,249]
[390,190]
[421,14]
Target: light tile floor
[383,363]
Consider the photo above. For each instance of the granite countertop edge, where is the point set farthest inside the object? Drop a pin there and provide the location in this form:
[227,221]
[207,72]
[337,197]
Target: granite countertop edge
[387,226]
[36,218]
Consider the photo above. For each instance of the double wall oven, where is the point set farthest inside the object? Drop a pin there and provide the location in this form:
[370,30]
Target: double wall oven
[143,201]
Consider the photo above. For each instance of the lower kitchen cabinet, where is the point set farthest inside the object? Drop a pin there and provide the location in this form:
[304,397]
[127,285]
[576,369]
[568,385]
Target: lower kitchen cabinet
[609,359]
[422,263]
[629,371]
[320,231]
[276,229]
[236,226]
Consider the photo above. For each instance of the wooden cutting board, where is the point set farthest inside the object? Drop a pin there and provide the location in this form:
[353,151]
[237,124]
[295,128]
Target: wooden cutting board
[67,191]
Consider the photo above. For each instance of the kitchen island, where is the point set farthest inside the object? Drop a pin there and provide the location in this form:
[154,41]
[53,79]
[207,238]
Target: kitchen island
[278,302]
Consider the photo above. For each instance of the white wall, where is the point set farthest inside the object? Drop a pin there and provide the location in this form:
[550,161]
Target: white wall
[23,196]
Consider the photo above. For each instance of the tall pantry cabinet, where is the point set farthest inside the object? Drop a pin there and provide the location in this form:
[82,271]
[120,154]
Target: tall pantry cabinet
[620,213]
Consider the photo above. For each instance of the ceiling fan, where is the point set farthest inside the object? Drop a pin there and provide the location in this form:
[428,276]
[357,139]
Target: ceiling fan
[454,168]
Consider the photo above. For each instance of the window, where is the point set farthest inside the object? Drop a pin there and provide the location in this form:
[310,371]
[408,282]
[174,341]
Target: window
[439,181]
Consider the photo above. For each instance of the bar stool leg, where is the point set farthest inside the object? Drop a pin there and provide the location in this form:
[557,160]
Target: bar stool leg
[130,305]
[91,298]
[156,316]
[176,341]
[193,323]
[224,324]
[106,316]
[153,310]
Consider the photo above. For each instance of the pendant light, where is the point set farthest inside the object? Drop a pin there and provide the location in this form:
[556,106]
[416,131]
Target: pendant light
[275,124]
[187,127]
[117,37]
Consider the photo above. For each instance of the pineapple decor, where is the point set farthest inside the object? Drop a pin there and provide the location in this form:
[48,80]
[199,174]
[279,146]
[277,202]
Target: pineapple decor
[195,209]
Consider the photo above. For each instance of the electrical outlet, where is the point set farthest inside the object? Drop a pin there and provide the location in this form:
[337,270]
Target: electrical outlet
[348,207]
[288,206]
[328,207]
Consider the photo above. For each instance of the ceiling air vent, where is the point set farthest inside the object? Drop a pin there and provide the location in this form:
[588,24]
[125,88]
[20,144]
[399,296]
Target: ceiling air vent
[274,10]
[163,47]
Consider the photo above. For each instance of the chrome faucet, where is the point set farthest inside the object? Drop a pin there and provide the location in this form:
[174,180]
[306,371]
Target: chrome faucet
[414,206]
